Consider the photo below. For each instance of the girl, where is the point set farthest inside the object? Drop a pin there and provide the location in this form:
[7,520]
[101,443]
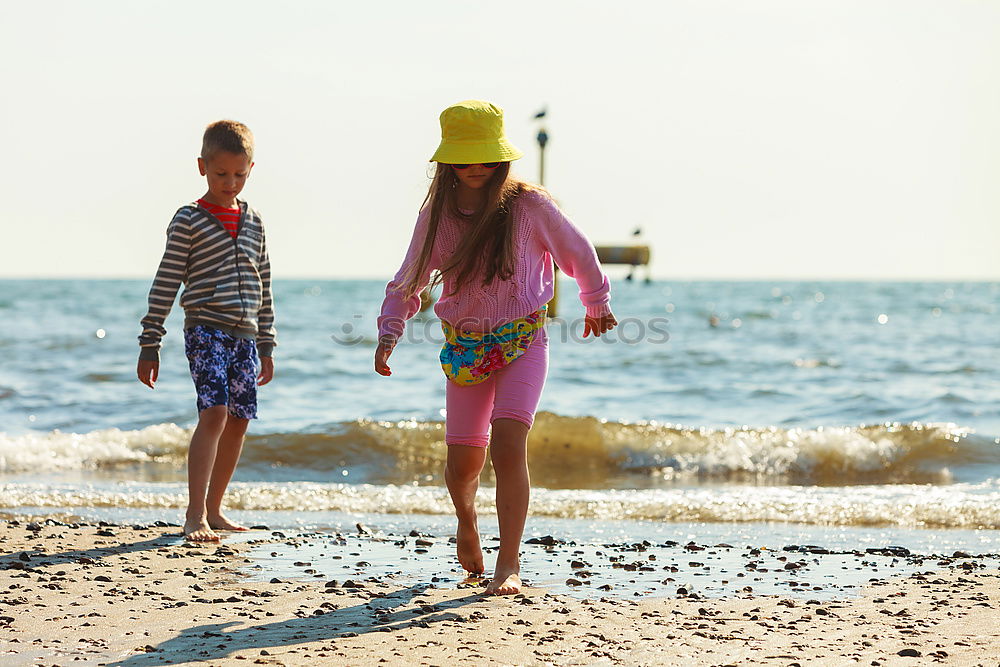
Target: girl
[492,239]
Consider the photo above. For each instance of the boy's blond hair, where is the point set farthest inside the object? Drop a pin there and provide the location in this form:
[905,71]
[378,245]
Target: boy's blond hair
[229,136]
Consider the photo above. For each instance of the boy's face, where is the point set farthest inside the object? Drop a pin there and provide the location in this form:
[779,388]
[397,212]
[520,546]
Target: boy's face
[226,174]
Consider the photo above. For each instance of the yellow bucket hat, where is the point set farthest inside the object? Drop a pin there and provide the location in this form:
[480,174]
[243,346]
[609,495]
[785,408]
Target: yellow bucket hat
[472,133]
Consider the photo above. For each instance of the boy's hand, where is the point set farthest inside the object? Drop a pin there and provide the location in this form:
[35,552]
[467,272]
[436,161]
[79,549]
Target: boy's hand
[599,325]
[266,371]
[148,371]
[382,353]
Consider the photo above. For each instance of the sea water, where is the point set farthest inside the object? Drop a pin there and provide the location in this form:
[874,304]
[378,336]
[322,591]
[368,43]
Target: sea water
[739,407]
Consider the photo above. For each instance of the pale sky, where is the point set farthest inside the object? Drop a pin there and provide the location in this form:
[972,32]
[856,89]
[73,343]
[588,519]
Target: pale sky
[749,139]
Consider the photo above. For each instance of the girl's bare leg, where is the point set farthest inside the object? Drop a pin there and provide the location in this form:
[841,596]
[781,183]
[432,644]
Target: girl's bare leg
[509,453]
[461,474]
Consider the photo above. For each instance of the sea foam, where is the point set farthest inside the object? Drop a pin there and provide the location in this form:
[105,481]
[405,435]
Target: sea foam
[916,506]
[564,452]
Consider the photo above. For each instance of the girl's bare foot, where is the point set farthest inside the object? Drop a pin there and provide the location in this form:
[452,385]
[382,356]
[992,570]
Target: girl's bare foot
[221,522]
[506,579]
[505,582]
[470,553]
[198,530]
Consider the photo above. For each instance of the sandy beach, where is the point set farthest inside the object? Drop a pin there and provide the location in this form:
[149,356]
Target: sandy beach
[89,594]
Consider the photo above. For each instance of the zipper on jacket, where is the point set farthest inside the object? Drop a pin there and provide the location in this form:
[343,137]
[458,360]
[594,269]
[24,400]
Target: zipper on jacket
[244,210]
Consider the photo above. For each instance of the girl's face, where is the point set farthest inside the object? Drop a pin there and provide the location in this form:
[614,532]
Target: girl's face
[474,176]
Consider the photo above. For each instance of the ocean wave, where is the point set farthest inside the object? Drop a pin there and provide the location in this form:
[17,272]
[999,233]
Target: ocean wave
[564,452]
[56,450]
[916,506]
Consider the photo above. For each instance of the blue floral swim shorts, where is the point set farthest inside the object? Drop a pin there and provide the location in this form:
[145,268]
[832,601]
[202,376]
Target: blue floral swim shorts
[224,370]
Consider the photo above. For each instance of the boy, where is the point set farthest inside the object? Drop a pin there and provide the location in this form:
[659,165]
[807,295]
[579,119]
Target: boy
[216,247]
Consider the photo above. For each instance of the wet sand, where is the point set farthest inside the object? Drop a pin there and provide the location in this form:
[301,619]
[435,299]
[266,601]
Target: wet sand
[87,594]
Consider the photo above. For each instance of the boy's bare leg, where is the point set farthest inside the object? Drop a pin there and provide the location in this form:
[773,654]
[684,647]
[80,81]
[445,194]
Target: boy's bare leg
[509,453]
[226,458]
[201,459]
[461,474]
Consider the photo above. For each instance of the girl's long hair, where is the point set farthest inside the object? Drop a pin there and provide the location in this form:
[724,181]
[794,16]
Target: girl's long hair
[488,247]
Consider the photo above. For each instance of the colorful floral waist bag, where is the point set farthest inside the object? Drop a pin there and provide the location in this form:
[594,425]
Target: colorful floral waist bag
[469,357]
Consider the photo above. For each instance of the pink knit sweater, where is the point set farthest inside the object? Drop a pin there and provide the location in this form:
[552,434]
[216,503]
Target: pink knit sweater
[541,233]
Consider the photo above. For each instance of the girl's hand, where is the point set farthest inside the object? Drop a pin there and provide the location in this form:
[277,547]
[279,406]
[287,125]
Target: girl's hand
[599,325]
[382,353]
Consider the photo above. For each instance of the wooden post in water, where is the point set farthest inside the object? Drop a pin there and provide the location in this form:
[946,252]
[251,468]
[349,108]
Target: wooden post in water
[543,138]
[630,255]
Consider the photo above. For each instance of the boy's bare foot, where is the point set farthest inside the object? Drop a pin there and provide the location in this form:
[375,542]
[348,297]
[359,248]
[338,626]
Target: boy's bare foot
[470,553]
[505,582]
[198,530]
[222,522]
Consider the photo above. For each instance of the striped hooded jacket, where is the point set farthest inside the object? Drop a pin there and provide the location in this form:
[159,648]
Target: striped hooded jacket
[227,281]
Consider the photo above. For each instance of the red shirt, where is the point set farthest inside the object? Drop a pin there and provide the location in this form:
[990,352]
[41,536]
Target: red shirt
[229,217]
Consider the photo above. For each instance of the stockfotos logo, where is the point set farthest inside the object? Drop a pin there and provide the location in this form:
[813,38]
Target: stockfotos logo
[630,331]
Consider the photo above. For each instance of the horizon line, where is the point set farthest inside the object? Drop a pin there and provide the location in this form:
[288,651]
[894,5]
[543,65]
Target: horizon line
[657,279]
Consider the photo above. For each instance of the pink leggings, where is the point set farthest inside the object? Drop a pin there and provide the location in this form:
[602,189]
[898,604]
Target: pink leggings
[510,393]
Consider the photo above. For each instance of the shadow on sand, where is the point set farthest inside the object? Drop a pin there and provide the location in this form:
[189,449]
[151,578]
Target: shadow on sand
[28,559]
[212,641]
